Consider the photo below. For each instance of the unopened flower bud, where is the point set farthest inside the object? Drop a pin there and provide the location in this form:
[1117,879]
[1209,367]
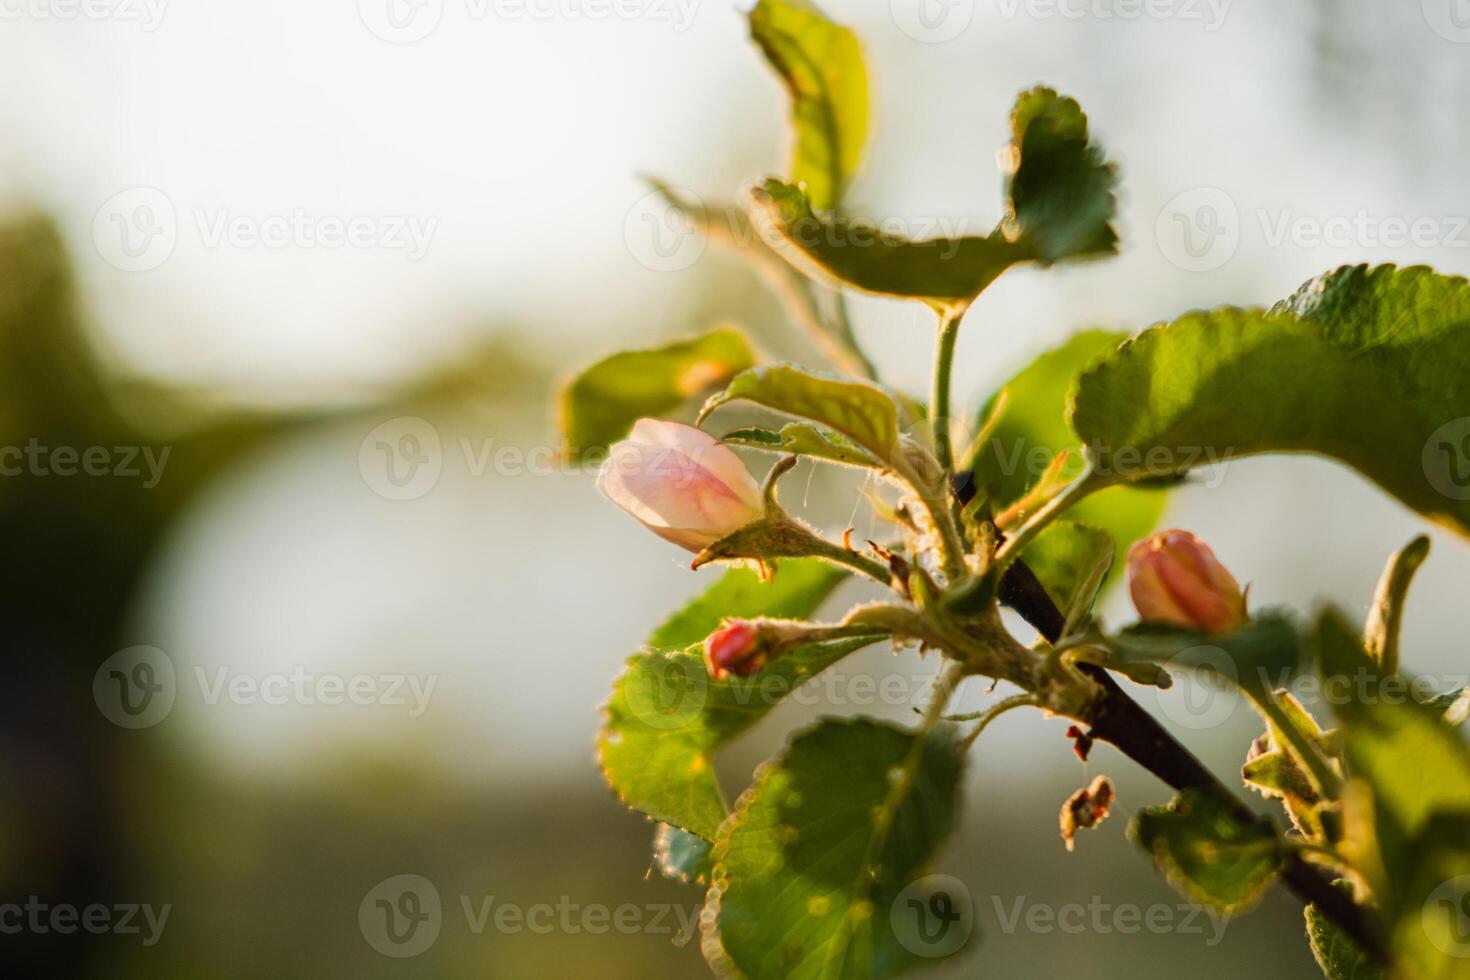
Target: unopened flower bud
[734,648]
[1175,578]
[681,484]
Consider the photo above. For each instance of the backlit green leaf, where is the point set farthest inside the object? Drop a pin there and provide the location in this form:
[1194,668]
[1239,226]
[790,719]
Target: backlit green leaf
[1207,853]
[1032,430]
[1071,560]
[803,440]
[821,65]
[1061,192]
[818,852]
[600,405]
[666,716]
[1366,366]
[876,258]
[1060,205]
[863,413]
[1416,765]
[1339,957]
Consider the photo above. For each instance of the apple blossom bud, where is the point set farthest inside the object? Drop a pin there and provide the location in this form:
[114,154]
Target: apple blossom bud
[681,484]
[1175,578]
[734,648]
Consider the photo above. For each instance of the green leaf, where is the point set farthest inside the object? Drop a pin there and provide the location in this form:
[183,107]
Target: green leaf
[809,867]
[1381,634]
[1061,192]
[821,65]
[1071,560]
[1207,853]
[1362,365]
[681,855]
[1032,431]
[865,414]
[1258,657]
[1337,954]
[600,405]
[1060,205]
[1416,765]
[666,716]
[1431,932]
[872,257]
[803,440]
[797,591]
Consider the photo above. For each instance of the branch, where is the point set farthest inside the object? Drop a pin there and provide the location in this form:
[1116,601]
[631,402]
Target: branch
[1120,721]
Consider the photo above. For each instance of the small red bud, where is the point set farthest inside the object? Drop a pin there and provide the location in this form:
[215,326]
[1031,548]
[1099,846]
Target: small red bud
[734,648]
[1175,578]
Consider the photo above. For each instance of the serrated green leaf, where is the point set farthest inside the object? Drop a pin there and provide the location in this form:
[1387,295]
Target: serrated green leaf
[1062,189]
[666,716]
[821,65]
[1337,954]
[1207,853]
[863,413]
[1032,431]
[681,855]
[1060,205]
[600,405]
[803,440]
[1366,366]
[809,866]
[872,257]
[1071,559]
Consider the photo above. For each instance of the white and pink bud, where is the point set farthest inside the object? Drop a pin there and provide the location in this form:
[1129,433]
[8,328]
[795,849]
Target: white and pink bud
[681,484]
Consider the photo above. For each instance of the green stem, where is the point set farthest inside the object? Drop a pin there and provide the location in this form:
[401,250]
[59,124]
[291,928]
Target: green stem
[944,687]
[839,555]
[1085,485]
[995,711]
[939,407]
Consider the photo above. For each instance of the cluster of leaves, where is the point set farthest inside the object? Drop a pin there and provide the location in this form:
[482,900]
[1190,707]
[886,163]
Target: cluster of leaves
[1362,365]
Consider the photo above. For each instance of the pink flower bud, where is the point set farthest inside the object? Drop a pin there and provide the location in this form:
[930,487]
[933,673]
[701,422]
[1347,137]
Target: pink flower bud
[681,484]
[1175,578]
[734,648]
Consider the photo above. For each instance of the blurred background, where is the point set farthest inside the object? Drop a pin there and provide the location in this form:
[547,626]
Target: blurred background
[255,669]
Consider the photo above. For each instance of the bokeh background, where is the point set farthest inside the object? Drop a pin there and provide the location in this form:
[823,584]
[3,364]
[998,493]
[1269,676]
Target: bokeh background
[150,153]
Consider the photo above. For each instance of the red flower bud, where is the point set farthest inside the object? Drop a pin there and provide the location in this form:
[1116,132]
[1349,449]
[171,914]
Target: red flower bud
[1175,578]
[734,648]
